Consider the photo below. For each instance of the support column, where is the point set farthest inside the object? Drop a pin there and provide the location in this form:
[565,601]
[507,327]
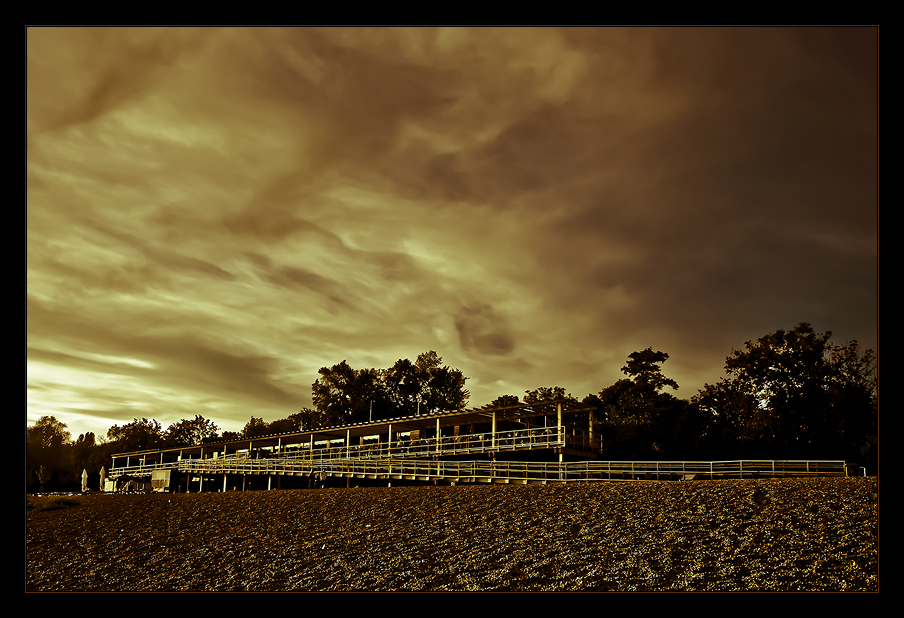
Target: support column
[438,447]
[493,432]
[224,482]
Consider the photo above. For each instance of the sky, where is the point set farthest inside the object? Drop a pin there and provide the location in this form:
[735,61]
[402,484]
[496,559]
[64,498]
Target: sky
[214,214]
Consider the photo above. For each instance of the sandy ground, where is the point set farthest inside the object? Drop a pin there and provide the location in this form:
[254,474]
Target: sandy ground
[778,535]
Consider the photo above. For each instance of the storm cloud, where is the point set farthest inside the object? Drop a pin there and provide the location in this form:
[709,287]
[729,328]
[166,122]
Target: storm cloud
[213,214]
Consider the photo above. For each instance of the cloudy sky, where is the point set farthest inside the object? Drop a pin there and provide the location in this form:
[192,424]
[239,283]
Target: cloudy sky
[215,214]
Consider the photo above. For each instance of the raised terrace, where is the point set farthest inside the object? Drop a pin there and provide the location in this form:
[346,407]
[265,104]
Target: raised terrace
[550,441]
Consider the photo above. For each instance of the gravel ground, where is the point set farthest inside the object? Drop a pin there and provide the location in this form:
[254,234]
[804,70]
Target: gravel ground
[778,535]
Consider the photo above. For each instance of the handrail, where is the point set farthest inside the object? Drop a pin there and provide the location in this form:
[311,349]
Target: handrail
[581,471]
[464,444]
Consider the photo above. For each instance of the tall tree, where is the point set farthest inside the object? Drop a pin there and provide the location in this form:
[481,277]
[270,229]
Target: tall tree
[505,400]
[643,368]
[342,394]
[443,388]
[192,432]
[545,393]
[793,394]
[425,386]
[403,386]
[255,428]
[138,435]
[637,419]
[48,454]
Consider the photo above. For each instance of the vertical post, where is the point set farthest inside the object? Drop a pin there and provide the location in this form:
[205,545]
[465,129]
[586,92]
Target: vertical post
[389,442]
[559,422]
[493,433]
[224,482]
[437,436]
[348,440]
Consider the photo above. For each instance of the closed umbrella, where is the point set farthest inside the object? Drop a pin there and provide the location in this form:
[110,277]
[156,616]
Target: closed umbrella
[84,480]
[103,478]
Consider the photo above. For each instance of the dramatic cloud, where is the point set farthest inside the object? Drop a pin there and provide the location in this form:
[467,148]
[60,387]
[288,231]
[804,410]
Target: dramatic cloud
[213,214]
[481,329]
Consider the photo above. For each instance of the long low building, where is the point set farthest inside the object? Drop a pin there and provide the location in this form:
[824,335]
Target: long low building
[550,441]
[553,430]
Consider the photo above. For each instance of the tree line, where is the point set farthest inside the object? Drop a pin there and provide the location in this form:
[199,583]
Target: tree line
[788,395]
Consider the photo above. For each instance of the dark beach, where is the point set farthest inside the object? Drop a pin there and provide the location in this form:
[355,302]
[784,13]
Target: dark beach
[757,535]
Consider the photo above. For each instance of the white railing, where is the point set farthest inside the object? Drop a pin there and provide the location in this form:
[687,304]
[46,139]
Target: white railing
[500,441]
[490,470]
[521,439]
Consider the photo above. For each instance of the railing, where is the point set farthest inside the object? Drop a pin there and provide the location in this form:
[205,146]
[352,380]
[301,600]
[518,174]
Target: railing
[503,471]
[672,470]
[466,444]
[521,439]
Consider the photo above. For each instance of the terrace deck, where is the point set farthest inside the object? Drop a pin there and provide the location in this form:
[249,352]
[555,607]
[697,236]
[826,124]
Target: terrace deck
[456,447]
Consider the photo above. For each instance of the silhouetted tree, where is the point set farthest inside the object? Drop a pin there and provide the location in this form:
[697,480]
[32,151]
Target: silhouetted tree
[442,388]
[255,428]
[545,393]
[343,394]
[137,435]
[48,455]
[643,368]
[505,400]
[792,394]
[639,421]
[191,432]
